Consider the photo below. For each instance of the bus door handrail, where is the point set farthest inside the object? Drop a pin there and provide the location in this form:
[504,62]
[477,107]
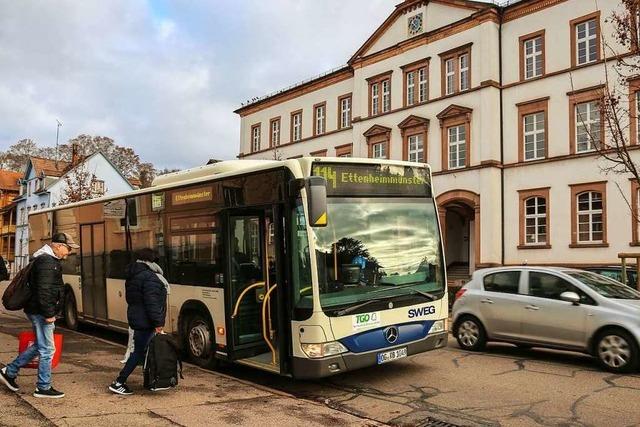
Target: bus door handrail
[242,294]
[264,322]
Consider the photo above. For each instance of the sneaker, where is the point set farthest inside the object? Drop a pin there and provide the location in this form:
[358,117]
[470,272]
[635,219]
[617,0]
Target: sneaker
[118,388]
[8,381]
[52,393]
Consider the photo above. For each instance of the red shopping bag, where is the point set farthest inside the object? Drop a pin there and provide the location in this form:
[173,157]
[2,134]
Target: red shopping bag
[25,339]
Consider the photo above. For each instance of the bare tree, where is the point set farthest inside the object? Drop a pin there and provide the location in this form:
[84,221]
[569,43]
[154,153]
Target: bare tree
[81,184]
[16,157]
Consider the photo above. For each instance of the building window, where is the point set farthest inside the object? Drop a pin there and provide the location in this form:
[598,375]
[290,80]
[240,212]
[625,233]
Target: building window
[416,83]
[585,39]
[534,136]
[375,99]
[296,126]
[590,217]
[319,114]
[344,150]
[255,138]
[380,93]
[588,126]
[589,207]
[456,70]
[319,153]
[532,55]
[274,135]
[457,146]
[534,218]
[416,148]
[635,219]
[344,120]
[97,186]
[379,151]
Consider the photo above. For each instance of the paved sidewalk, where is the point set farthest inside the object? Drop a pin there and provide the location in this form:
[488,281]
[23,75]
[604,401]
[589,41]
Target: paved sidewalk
[202,398]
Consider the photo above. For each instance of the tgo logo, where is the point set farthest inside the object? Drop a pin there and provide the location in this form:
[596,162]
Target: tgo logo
[422,311]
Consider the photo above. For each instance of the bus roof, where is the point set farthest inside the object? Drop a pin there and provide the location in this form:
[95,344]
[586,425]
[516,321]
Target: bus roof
[228,168]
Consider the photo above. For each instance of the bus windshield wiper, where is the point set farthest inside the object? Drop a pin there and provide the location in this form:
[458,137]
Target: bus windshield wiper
[357,306]
[408,286]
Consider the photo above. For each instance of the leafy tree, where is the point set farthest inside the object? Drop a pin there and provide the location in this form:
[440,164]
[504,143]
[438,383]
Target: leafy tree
[15,158]
[80,184]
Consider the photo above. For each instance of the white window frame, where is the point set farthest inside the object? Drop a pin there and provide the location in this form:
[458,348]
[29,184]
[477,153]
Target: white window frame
[588,121]
[463,74]
[345,112]
[423,85]
[589,40]
[375,99]
[539,219]
[378,150]
[537,134]
[459,146]
[415,148]
[590,213]
[411,88]
[533,56]
[386,95]
[275,132]
[450,76]
[255,138]
[297,127]
[320,122]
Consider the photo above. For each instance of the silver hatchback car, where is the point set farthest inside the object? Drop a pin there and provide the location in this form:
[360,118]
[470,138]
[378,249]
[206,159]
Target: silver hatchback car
[551,307]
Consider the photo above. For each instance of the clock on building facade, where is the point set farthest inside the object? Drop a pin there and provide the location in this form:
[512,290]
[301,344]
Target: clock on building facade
[415,24]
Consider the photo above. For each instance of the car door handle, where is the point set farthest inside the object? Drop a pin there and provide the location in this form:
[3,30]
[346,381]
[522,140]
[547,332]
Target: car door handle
[486,301]
[532,307]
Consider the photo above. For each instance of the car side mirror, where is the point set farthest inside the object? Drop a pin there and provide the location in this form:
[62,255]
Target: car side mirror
[571,297]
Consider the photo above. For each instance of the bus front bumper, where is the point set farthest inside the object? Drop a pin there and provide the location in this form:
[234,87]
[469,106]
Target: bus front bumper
[318,368]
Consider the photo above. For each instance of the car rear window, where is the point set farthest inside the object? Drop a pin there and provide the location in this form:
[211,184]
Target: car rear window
[505,281]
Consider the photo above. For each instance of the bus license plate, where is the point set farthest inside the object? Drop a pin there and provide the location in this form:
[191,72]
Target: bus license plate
[390,356]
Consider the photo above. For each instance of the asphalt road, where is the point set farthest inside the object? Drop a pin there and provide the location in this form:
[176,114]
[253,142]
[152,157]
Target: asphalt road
[503,386]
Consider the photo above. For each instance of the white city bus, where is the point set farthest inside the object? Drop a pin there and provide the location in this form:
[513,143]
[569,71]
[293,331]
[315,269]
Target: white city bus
[306,267]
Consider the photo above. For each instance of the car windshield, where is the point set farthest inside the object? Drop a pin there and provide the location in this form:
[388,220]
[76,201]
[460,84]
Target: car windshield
[604,286]
[377,248]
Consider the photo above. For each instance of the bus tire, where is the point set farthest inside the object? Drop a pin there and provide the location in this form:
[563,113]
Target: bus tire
[70,310]
[200,340]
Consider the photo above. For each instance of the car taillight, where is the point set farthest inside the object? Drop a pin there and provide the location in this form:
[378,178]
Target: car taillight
[460,293]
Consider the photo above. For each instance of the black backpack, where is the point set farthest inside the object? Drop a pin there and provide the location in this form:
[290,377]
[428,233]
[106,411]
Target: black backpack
[162,364]
[18,293]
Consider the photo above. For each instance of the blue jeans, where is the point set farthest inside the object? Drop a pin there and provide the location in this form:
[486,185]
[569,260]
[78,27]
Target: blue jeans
[43,347]
[141,339]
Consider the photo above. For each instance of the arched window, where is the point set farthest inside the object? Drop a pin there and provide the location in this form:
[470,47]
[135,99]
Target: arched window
[535,220]
[590,217]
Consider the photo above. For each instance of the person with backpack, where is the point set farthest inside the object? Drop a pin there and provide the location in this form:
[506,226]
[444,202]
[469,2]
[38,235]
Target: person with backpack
[4,273]
[47,293]
[146,295]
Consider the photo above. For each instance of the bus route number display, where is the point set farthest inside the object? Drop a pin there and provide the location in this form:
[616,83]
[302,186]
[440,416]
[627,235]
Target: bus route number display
[349,179]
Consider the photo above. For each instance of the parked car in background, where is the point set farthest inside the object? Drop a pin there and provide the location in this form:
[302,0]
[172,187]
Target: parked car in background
[559,308]
[615,272]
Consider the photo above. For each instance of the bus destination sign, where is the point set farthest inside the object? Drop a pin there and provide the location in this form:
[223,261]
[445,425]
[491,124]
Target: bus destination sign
[354,179]
[194,195]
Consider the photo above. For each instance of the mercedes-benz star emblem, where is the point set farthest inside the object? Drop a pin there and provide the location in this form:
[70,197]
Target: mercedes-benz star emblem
[391,334]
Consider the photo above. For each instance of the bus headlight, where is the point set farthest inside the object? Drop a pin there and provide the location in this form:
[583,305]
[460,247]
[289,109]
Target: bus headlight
[438,326]
[314,351]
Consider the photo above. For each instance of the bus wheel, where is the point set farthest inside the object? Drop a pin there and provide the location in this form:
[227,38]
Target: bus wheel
[70,311]
[200,341]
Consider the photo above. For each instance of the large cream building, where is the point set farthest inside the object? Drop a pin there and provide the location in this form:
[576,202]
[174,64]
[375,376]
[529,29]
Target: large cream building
[496,100]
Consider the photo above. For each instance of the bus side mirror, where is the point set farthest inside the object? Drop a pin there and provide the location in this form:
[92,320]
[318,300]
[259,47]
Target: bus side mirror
[316,187]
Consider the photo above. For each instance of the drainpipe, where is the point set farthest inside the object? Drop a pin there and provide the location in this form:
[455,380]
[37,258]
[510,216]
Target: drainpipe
[501,134]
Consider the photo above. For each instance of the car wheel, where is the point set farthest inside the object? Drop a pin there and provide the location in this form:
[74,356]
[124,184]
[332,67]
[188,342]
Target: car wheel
[200,341]
[70,311]
[471,334]
[617,351]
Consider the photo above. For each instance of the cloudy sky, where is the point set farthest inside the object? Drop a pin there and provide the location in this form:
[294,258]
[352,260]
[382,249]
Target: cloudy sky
[163,76]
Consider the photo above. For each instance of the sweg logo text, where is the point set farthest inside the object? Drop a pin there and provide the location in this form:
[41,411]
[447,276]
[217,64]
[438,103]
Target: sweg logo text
[422,311]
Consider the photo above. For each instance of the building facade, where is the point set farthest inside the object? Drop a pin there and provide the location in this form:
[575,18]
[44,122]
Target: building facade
[9,190]
[43,184]
[500,102]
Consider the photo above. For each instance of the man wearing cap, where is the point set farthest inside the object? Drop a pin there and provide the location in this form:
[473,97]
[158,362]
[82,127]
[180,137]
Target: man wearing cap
[47,294]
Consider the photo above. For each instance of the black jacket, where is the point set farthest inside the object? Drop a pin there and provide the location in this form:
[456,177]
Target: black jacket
[4,273]
[146,297]
[47,287]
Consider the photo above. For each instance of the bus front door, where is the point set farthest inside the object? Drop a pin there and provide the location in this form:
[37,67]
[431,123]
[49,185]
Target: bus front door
[94,286]
[253,299]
